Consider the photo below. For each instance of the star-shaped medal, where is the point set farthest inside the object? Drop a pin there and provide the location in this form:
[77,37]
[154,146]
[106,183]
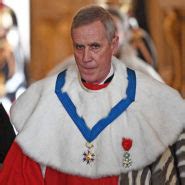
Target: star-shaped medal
[88,157]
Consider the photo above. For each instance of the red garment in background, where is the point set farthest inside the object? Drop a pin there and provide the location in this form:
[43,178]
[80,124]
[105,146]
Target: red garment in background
[18,169]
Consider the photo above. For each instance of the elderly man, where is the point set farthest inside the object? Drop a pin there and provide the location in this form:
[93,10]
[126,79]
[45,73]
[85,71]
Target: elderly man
[94,123]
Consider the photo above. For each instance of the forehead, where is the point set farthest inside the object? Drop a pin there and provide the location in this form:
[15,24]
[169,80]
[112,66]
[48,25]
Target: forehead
[92,31]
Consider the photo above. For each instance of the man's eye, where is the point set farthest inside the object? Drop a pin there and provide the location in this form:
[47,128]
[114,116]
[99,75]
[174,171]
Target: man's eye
[79,46]
[95,46]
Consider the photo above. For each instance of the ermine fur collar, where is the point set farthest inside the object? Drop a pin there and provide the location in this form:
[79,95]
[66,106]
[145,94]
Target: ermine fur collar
[48,135]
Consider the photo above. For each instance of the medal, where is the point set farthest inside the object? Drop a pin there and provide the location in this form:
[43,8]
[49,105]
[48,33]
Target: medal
[89,156]
[127,144]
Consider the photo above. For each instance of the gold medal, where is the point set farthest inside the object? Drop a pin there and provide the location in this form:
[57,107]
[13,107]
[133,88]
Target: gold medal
[89,156]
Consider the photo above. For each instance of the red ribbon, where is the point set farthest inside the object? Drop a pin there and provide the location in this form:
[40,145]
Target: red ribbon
[126,143]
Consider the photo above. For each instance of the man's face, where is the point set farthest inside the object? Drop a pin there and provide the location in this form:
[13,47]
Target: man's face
[93,51]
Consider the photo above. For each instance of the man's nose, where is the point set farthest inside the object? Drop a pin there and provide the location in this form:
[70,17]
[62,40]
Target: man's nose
[86,55]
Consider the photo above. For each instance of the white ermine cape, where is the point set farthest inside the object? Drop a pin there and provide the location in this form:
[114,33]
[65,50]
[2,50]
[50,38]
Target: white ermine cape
[50,136]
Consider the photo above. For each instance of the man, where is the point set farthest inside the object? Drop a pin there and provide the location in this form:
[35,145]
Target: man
[125,52]
[94,123]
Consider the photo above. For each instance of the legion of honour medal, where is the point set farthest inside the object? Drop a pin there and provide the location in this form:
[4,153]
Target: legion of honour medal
[127,144]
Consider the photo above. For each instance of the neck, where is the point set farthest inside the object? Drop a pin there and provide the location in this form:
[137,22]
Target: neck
[102,84]
[111,72]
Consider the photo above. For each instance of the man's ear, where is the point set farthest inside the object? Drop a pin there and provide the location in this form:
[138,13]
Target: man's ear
[115,44]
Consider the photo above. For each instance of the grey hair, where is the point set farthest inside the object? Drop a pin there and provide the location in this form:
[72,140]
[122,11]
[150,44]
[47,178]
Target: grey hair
[92,13]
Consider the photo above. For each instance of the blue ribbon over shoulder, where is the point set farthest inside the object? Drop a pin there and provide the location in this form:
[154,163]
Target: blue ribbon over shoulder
[117,110]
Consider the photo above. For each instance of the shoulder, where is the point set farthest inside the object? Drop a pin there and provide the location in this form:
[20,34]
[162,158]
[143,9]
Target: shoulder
[62,65]
[149,85]
[26,103]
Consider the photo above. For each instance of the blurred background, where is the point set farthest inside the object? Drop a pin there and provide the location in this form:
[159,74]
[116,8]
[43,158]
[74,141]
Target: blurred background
[35,35]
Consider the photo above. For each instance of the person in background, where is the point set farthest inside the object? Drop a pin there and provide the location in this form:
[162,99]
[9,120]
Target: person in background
[97,121]
[142,42]
[7,133]
[12,60]
[126,50]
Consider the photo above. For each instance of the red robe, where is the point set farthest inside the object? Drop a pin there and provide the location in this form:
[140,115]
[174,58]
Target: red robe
[19,169]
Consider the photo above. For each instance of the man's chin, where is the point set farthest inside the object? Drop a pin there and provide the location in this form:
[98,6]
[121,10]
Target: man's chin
[89,78]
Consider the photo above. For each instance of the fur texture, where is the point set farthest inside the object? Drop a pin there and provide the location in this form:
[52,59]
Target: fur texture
[48,135]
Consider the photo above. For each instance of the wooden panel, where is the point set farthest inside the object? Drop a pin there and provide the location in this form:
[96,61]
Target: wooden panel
[167,20]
